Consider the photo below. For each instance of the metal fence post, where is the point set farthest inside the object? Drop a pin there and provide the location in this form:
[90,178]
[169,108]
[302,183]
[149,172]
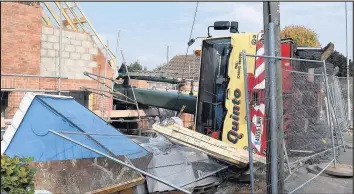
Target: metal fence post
[60,47]
[272,104]
[328,104]
[247,102]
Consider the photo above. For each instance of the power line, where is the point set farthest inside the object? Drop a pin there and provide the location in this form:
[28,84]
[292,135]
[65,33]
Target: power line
[190,36]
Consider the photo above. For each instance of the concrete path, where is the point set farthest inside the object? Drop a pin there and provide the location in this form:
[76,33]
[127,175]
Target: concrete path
[325,183]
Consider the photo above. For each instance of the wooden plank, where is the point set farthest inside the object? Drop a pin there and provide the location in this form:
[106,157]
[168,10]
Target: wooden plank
[209,140]
[221,157]
[203,142]
[75,21]
[71,9]
[127,191]
[43,22]
[46,19]
[232,157]
[66,16]
[52,12]
[120,187]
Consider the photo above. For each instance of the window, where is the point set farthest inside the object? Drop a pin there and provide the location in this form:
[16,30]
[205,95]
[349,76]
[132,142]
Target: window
[4,103]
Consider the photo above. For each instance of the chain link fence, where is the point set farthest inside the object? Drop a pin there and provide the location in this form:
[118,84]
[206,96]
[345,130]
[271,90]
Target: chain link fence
[343,83]
[313,119]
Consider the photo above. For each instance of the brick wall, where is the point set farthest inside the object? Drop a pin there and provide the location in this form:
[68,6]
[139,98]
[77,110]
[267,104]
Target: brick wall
[23,52]
[20,24]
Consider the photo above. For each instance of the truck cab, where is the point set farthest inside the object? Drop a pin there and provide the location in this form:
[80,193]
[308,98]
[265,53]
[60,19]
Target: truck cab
[221,110]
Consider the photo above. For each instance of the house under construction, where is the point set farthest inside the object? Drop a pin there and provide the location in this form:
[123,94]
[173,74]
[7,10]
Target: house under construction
[30,45]
[33,33]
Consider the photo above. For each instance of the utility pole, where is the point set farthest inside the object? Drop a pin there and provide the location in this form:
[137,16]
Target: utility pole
[347,47]
[274,101]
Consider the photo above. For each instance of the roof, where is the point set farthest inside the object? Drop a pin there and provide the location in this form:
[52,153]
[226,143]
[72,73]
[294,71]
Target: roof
[38,113]
[179,66]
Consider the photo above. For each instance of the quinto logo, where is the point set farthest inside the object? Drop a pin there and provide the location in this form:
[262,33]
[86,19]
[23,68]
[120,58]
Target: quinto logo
[233,136]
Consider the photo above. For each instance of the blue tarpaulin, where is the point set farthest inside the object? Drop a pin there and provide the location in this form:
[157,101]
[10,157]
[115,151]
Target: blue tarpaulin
[33,139]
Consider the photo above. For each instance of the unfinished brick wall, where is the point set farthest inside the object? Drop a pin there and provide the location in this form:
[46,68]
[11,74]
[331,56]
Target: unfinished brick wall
[21,33]
[78,53]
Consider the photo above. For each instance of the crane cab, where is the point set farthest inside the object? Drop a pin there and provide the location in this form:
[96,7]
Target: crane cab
[221,102]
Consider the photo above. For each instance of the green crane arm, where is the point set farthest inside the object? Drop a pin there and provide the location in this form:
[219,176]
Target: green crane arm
[161,99]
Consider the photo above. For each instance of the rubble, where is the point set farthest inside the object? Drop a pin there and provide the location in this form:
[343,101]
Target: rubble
[221,150]
[179,165]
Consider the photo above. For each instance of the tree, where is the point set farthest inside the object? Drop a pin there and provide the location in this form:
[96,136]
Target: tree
[159,67]
[301,36]
[340,61]
[135,66]
[145,68]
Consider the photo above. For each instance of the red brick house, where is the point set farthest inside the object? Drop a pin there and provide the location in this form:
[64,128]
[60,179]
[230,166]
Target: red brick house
[30,59]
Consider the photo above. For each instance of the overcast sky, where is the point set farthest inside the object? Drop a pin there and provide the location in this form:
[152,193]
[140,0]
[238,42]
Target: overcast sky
[147,28]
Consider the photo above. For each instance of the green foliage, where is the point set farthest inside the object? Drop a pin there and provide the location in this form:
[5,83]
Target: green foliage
[136,66]
[301,35]
[16,175]
[159,67]
[339,60]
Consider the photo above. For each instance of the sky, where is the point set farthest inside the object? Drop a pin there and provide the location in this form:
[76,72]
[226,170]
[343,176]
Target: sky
[147,28]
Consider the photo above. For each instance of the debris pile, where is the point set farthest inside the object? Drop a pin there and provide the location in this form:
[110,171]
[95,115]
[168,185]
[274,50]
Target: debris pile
[72,143]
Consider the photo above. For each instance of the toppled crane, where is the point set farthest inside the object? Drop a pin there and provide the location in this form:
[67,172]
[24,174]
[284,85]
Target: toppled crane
[219,108]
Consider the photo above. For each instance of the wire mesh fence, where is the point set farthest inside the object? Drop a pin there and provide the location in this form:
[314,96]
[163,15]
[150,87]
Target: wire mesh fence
[337,106]
[311,121]
[343,83]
